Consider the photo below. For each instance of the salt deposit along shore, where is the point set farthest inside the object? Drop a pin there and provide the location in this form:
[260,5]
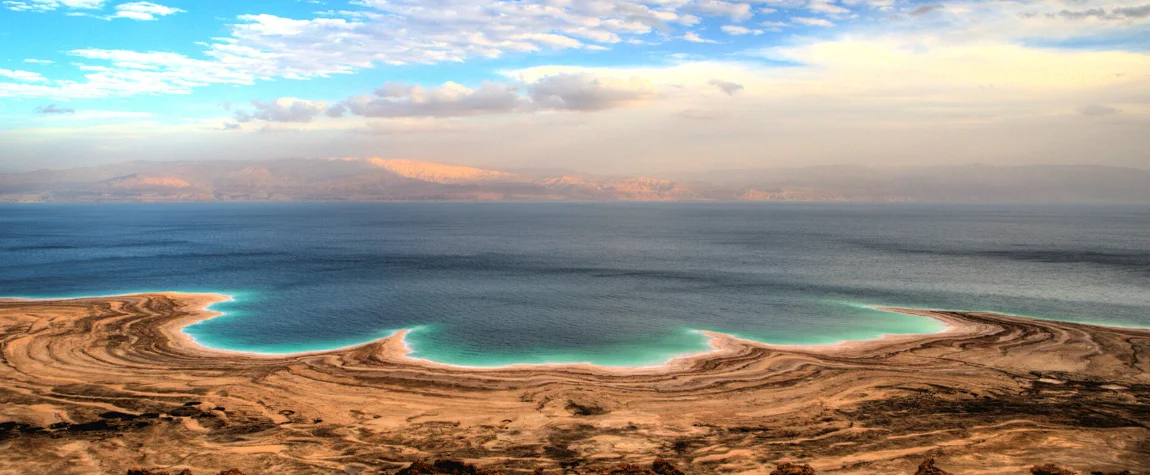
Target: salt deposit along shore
[100,384]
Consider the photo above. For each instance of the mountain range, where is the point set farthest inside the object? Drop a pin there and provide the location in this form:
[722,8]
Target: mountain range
[377,179]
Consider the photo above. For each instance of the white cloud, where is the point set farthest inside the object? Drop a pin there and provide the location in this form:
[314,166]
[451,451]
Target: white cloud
[49,5]
[52,109]
[130,73]
[288,109]
[570,91]
[268,47]
[38,61]
[728,88]
[812,21]
[588,92]
[739,30]
[265,47]
[449,100]
[774,25]
[695,38]
[143,11]
[24,76]
[827,7]
[735,11]
[69,114]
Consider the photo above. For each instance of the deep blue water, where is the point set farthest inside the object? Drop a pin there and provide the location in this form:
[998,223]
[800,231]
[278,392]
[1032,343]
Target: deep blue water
[610,283]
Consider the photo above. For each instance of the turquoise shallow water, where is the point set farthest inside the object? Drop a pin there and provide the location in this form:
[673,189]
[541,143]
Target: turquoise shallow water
[608,283]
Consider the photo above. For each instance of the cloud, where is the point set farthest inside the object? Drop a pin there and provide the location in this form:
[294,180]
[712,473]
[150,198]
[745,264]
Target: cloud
[812,21]
[69,114]
[695,38]
[739,30]
[1133,12]
[735,11]
[449,100]
[587,92]
[559,91]
[131,73]
[265,47]
[38,61]
[1097,110]
[23,76]
[282,110]
[1122,13]
[49,5]
[231,126]
[926,9]
[1079,15]
[336,111]
[728,88]
[371,33]
[52,109]
[774,25]
[825,6]
[143,11]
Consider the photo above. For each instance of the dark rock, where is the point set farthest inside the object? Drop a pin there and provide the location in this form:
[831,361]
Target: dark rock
[121,416]
[787,468]
[625,469]
[90,426]
[186,411]
[585,409]
[927,468]
[8,429]
[663,467]
[137,470]
[1124,472]
[1051,469]
[232,471]
[445,467]
[660,467]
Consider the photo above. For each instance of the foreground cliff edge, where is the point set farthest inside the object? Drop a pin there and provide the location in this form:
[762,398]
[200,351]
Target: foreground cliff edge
[102,384]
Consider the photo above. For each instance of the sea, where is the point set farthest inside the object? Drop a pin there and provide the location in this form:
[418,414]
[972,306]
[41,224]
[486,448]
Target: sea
[615,284]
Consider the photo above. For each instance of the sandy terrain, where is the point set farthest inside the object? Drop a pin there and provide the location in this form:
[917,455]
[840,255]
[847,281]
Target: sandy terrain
[96,385]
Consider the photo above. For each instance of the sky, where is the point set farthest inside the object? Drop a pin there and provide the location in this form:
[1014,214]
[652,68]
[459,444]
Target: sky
[600,86]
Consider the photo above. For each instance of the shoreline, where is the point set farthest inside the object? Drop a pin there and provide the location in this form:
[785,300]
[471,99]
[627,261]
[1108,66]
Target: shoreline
[396,348]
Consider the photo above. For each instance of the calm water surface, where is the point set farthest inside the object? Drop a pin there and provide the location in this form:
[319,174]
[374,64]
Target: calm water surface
[609,283]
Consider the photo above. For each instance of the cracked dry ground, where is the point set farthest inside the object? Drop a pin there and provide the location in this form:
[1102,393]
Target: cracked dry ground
[98,385]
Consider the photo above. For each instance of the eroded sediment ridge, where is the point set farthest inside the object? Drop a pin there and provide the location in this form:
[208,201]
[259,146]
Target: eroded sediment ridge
[100,384]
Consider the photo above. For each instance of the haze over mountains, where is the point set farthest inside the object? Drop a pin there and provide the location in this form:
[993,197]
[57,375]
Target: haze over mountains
[376,179]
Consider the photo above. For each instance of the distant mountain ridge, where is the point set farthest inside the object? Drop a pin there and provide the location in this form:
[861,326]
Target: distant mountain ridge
[378,179]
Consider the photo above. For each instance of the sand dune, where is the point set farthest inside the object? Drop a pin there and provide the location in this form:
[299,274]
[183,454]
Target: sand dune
[101,384]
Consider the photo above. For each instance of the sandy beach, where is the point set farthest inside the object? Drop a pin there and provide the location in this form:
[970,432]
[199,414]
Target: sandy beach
[99,384]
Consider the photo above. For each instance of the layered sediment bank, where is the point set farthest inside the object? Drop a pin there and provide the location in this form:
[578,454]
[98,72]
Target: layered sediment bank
[101,384]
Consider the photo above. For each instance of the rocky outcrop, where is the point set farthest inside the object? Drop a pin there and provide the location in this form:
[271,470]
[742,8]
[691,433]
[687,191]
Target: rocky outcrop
[787,468]
[663,467]
[454,467]
[927,468]
[445,467]
[1051,469]
[186,471]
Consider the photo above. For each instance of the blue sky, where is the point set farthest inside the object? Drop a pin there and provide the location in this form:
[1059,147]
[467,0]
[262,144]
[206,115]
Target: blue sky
[753,83]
